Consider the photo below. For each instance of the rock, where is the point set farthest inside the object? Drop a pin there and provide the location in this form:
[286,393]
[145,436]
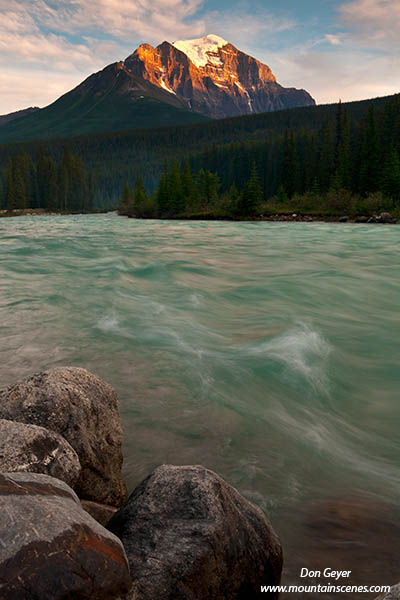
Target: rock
[385,217]
[344,219]
[101,512]
[84,410]
[36,450]
[51,548]
[394,594]
[189,535]
[361,219]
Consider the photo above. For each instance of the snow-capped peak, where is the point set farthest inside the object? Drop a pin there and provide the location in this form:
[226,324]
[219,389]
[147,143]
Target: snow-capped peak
[197,50]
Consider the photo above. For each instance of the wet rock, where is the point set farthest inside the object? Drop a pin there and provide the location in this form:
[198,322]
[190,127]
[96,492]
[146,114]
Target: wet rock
[34,449]
[51,548]
[189,535]
[385,217]
[361,219]
[394,594]
[343,219]
[84,410]
[101,512]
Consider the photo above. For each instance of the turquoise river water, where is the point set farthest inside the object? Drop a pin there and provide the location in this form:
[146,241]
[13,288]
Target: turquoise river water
[268,352]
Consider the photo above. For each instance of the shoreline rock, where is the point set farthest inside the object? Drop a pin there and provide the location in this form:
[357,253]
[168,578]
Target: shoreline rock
[34,449]
[83,409]
[189,535]
[51,548]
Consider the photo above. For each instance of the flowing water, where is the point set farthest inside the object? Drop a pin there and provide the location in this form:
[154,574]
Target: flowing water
[268,352]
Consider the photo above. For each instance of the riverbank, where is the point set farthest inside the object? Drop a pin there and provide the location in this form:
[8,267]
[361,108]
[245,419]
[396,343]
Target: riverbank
[383,218]
[41,212]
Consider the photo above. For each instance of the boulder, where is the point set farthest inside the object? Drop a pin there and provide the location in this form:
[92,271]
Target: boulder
[343,219]
[34,449]
[84,410]
[101,512]
[189,535]
[51,548]
[361,219]
[385,217]
[394,594]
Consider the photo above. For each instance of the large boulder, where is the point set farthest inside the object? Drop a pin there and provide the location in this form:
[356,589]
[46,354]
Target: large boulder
[84,410]
[394,594]
[189,535]
[34,449]
[51,548]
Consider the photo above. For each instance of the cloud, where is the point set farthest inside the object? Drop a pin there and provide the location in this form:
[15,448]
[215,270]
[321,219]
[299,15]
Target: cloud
[334,39]
[374,23]
[329,75]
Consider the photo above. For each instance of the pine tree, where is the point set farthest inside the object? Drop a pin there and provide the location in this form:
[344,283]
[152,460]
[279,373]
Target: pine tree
[10,192]
[188,186]
[20,201]
[391,176]
[370,156]
[126,201]
[290,166]
[175,190]
[252,195]
[140,197]
[162,193]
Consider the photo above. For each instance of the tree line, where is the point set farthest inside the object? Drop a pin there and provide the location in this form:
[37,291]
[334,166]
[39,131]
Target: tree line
[224,146]
[339,168]
[44,184]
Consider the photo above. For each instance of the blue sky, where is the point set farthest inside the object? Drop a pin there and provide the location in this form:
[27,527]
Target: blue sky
[335,49]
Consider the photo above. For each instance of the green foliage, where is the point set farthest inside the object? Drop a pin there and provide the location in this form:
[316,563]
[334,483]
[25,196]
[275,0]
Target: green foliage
[46,186]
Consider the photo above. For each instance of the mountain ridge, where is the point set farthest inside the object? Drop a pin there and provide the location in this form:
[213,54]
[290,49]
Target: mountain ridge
[161,86]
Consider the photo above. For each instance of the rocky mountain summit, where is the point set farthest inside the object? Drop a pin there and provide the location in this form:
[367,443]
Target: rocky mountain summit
[213,77]
[180,83]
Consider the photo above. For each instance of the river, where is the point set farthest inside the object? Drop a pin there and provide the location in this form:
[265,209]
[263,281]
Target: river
[268,352]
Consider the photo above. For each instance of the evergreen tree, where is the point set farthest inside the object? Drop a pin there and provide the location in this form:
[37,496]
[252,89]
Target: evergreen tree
[10,192]
[251,195]
[391,176]
[370,157]
[175,190]
[162,193]
[140,197]
[290,167]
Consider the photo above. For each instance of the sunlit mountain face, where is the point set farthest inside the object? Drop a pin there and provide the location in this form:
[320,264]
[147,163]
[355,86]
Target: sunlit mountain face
[213,77]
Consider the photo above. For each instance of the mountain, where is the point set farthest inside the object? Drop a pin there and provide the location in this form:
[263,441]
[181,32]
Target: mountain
[111,100]
[185,82]
[17,115]
[214,78]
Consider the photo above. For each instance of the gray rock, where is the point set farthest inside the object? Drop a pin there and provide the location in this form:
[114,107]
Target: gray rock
[385,217]
[34,449]
[51,548]
[84,410]
[343,219]
[101,512]
[361,219]
[189,535]
[394,594]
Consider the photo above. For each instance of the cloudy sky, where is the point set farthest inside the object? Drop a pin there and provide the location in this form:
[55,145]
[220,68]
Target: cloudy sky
[334,49]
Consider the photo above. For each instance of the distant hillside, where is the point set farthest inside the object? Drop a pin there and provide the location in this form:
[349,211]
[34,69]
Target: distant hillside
[113,99]
[17,115]
[116,157]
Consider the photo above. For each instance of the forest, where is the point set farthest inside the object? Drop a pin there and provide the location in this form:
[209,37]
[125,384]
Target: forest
[63,187]
[337,169]
[328,160]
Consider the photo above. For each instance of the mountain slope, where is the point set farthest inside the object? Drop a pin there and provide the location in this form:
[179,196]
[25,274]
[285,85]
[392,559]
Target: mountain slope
[112,99]
[17,115]
[186,82]
[213,77]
